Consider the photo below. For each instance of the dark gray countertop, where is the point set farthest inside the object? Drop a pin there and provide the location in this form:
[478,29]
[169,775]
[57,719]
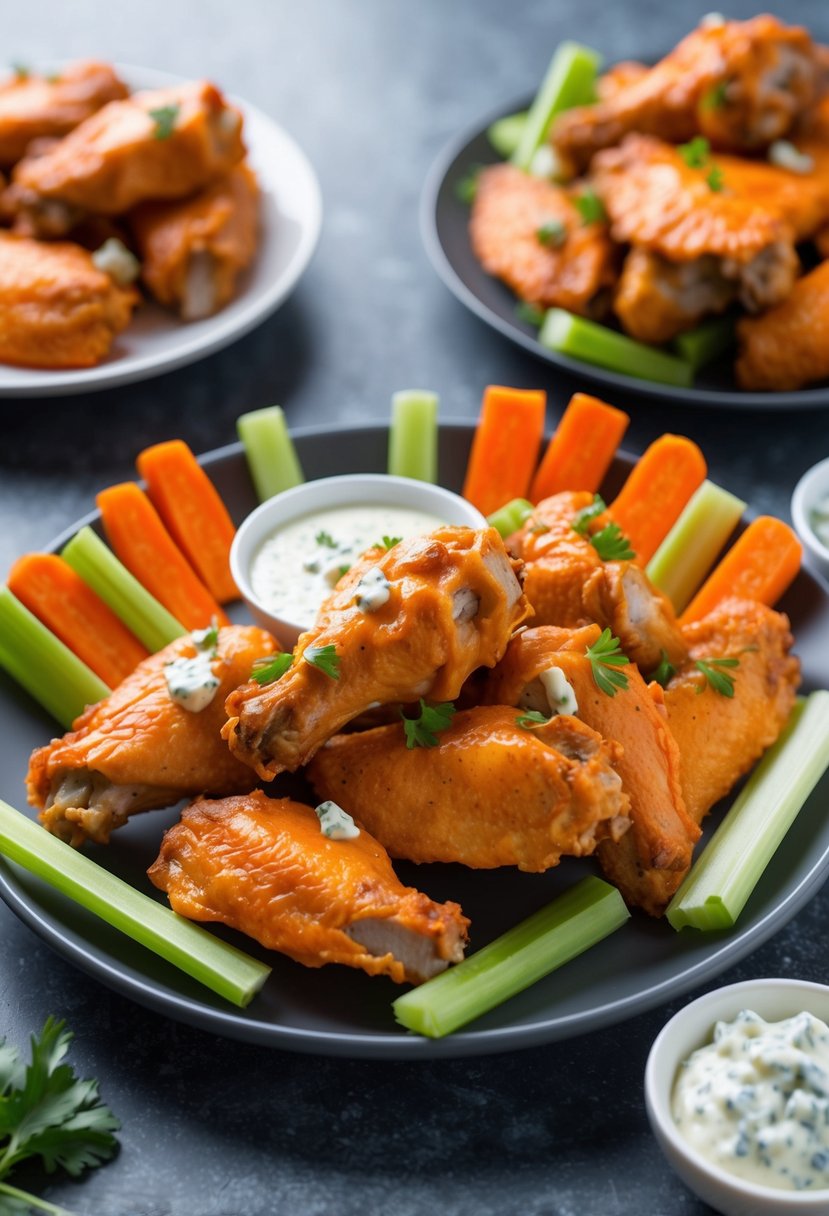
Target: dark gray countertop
[371,90]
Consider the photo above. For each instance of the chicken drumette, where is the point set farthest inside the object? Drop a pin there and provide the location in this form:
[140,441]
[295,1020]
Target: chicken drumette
[788,347]
[33,106]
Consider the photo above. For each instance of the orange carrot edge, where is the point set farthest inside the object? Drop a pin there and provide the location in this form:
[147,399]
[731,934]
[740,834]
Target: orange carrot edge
[760,565]
[656,492]
[582,448]
[505,446]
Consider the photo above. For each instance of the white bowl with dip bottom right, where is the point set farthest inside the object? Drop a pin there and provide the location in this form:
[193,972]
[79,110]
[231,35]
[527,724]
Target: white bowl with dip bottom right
[693,1027]
[388,501]
[809,493]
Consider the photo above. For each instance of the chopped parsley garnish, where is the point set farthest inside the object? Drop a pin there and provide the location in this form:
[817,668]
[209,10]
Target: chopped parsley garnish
[530,314]
[388,542]
[665,671]
[605,656]
[715,179]
[164,118]
[531,719]
[325,658]
[326,540]
[583,518]
[552,232]
[719,680]
[612,545]
[206,639]
[270,668]
[422,730]
[47,1112]
[21,70]
[716,97]
[696,152]
[466,188]
[590,207]
[341,570]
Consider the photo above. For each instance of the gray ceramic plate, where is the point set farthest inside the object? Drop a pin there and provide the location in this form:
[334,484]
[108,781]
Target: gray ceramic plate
[342,1012]
[444,222]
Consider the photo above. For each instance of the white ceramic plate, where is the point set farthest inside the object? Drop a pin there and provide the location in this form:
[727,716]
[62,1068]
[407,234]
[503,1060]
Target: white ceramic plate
[157,341]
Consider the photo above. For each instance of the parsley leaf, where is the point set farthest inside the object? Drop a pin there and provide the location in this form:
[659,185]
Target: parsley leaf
[530,719]
[164,118]
[21,70]
[715,179]
[467,186]
[421,731]
[270,668]
[612,545]
[716,97]
[552,233]
[388,542]
[530,314]
[719,680]
[605,656]
[325,658]
[206,639]
[583,518]
[696,152]
[46,1112]
[326,540]
[590,207]
[665,671]
[341,570]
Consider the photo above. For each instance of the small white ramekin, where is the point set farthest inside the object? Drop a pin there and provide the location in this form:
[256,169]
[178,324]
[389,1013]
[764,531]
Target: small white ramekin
[812,487]
[693,1026]
[352,489]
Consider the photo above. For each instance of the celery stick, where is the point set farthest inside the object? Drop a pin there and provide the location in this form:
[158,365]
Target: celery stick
[509,518]
[693,544]
[505,134]
[570,81]
[141,612]
[271,455]
[40,662]
[568,926]
[715,890]
[222,968]
[703,344]
[582,339]
[413,439]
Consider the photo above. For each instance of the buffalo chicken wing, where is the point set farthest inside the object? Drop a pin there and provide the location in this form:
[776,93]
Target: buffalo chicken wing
[40,107]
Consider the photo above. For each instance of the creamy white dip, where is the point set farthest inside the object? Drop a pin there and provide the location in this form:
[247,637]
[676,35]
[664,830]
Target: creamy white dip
[755,1101]
[561,696]
[190,681]
[296,567]
[820,520]
[335,823]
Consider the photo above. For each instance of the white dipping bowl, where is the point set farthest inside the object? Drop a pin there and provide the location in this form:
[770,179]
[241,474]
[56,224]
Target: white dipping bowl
[352,489]
[692,1027]
[812,487]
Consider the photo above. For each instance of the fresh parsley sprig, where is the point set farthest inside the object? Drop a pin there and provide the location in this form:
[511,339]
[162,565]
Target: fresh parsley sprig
[665,671]
[422,730]
[612,545]
[719,680]
[530,314]
[467,187]
[46,1112]
[531,719]
[325,539]
[165,118]
[552,233]
[325,658]
[590,207]
[583,519]
[388,542]
[271,668]
[605,657]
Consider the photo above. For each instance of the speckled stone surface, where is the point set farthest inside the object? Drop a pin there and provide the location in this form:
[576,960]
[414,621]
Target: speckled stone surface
[371,89]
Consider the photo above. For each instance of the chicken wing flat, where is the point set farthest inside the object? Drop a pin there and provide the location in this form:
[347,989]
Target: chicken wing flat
[741,84]
[453,604]
[529,233]
[139,749]
[649,861]
[192,250]
[37,107]
[721,737]
[263,866]
[568,584]
[162,144]
[788,347]
[490,794]
[56,308]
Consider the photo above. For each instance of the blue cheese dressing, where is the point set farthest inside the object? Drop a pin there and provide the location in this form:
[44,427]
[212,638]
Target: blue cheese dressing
[335,823]
[190,681]
[820,521]
[561,696]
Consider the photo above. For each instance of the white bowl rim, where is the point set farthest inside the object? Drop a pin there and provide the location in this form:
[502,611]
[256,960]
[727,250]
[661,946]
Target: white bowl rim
[817,475]
[302,497]
[660,1112]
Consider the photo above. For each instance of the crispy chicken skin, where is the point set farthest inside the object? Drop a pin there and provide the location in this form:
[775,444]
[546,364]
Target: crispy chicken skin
[788,347]
[648,863]
[568,584]
[509,209]
[490,794]
[193,250]
[454,601]
[263,866]
[37,107]
[138,749]
[720,737]
[124,154]
[742,84]
[56,308]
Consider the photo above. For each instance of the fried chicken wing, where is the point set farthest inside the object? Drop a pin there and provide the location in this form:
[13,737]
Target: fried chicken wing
[193,250]
[139,749]
[36,107]
[453,603]
[721,737]
[788,347]
[742,84]
[490,794]
[263,866]
[57,309]
[162,144]
[648,863]
[573,268]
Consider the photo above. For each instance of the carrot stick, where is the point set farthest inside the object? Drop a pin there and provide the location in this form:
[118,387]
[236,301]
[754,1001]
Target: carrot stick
[654,495]
[193,512]
[505,447]
[759,566]
[62,601]
[144,545]
[580,452]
